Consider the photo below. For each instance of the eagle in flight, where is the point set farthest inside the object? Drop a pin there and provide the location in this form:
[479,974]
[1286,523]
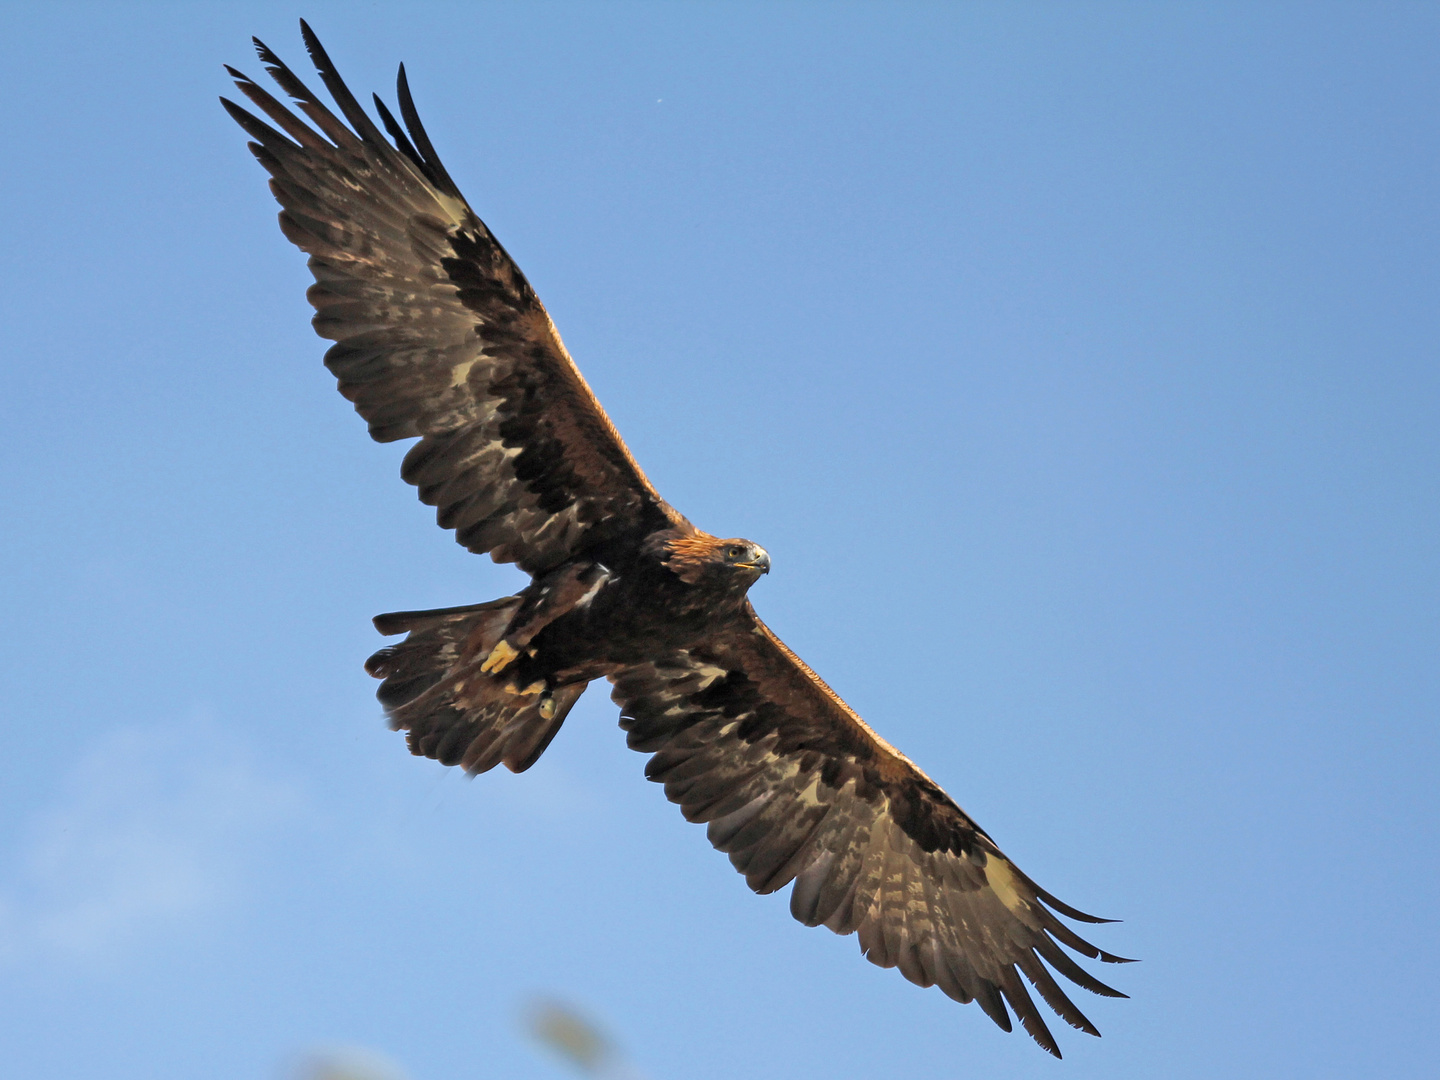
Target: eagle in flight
[439,337]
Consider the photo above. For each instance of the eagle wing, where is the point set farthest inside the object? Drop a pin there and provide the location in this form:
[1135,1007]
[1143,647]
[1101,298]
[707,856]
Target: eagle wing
[794,786]
[438,334]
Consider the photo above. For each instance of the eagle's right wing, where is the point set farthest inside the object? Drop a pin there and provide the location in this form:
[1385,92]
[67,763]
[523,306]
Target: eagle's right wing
[796,787]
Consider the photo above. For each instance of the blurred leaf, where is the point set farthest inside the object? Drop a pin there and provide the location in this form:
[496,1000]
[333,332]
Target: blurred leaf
[562,1029]
[348,1063]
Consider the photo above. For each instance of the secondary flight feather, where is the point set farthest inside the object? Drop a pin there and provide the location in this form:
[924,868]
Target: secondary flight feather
[439,337]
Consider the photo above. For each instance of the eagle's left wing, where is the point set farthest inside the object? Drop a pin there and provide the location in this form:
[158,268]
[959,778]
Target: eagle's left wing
[795,786]
[437,333]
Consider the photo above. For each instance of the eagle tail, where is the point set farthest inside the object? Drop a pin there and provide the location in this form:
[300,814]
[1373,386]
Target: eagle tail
[451,711]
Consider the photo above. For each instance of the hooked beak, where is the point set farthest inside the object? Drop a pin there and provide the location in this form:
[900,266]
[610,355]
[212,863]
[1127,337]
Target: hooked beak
[761,562]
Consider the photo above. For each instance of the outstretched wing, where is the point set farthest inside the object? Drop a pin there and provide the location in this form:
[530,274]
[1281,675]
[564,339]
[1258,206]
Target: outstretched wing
[438,334]
[795,786]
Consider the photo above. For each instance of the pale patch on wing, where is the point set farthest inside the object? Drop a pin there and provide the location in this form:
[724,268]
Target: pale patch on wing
[455,209]
[810,795]
[1001,876]
[460,374]
[589,594]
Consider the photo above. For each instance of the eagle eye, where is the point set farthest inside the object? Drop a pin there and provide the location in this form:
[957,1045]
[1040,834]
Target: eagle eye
[735,552]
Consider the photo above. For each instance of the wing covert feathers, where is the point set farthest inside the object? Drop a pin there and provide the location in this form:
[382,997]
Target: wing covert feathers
[796,788]
[438,336]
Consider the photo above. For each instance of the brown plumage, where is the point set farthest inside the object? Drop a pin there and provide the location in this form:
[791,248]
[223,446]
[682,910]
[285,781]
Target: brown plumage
[438,336]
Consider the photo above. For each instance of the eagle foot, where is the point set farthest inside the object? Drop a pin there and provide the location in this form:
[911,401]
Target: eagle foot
[536,687]
[500,657]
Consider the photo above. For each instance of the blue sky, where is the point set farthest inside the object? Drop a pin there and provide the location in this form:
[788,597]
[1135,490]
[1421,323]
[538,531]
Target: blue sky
[1075,363]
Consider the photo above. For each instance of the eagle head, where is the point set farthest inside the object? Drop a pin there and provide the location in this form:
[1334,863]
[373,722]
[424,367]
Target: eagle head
[701,558]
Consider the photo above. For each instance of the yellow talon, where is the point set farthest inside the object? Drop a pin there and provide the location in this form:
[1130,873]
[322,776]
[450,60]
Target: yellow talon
[536,687]
[499,657]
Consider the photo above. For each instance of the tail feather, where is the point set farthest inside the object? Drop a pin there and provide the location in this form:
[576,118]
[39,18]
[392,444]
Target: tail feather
[435,643]
[524,747]
[434,689]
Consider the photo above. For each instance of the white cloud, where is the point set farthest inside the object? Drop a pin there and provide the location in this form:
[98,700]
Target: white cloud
[150,830]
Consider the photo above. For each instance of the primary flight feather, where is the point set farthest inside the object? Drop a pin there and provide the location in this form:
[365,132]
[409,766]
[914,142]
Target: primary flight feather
[439,337]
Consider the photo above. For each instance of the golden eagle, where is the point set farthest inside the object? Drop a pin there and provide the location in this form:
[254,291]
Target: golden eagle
[439,337]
